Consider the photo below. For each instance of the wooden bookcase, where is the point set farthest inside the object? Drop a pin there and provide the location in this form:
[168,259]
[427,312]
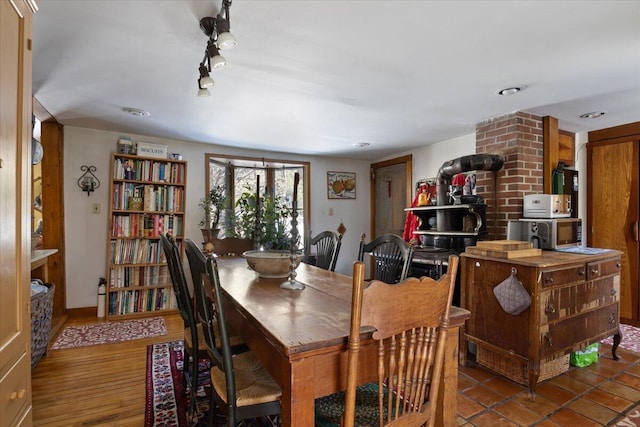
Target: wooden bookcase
[147,198]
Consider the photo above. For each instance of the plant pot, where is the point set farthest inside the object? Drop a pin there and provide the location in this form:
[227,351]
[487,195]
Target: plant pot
[209,235]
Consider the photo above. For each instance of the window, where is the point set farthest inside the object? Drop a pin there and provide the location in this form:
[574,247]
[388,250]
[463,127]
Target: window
[240,176]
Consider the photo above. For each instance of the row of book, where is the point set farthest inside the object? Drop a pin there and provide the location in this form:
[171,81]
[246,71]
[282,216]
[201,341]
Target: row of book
[141,300]
[136,251]
[154,198]
[148,170]
[126,277]
[145,225]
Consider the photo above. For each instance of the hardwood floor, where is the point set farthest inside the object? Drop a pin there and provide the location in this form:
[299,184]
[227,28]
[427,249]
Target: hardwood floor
[102,385]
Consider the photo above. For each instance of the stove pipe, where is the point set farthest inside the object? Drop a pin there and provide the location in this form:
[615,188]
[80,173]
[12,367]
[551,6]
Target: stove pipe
[473,162]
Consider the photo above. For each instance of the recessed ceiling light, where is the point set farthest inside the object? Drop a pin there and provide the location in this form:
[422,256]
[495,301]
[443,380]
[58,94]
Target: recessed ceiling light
[511,90]
[361,144]
[593,115]
[136,112]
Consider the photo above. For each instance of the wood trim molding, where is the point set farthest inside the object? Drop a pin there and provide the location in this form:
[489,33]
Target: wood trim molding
[551,152]
[623,131]
[52,138]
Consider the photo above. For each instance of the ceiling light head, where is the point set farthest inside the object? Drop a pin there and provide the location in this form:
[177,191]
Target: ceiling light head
[511,90]
[202,91]
[225,40]
[216,60]
[593,115]
[136,112]
[205,80]
[361,144]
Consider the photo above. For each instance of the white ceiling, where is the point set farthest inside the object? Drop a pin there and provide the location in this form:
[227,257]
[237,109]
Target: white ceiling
[316,77]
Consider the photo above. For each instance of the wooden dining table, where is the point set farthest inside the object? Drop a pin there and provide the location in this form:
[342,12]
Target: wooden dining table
[301,336]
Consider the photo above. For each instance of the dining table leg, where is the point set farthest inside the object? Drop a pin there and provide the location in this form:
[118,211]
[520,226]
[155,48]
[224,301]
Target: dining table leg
[298,404]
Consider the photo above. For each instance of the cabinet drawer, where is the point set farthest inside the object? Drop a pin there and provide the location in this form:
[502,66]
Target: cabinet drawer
[566,334]
[599,269]
[14,391]
[562,276]
[567,301]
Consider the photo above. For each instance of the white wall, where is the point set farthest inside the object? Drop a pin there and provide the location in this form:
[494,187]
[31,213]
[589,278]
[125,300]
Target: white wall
[86,233]
[427,160]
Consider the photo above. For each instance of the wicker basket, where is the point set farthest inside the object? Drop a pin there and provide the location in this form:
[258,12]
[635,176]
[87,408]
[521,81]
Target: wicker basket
[41,312]
[516,369]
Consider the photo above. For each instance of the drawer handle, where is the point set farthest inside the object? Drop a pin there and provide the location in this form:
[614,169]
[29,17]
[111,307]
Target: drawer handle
[613,291]
[594,271]
[20,394]
[548,340]
[618,264]
[550,309]
[548,279]
[612,318]
[581,273]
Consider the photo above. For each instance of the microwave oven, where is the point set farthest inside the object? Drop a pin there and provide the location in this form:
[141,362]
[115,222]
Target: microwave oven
[547,234]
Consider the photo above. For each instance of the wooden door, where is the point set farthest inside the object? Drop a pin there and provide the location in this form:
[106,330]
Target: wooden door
[15,211]
[391,195]
[613,210]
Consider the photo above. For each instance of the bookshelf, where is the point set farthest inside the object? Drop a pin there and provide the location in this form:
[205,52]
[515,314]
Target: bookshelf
[147,198]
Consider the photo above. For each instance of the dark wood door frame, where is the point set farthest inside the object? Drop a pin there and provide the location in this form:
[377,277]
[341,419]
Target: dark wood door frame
[53,232]
[407,161]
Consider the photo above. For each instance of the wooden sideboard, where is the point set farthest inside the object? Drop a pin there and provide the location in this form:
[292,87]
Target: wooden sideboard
[574,303]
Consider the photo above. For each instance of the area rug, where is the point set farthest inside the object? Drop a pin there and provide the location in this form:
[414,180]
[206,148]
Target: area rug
[166,402]
[629,419]
[110,332]
[630,338]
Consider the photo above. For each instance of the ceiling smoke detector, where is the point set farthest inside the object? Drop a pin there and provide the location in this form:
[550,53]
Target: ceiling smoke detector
[136,112]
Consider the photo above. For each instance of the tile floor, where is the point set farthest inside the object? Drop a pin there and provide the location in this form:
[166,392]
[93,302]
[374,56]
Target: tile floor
[596,395]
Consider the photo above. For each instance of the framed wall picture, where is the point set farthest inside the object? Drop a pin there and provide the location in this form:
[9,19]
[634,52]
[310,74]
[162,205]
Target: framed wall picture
[341,185]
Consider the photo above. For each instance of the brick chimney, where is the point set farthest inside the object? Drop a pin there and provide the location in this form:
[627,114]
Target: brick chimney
[519,138]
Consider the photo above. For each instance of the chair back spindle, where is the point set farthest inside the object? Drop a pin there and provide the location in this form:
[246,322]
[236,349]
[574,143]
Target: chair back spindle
[411,320]
[391,257]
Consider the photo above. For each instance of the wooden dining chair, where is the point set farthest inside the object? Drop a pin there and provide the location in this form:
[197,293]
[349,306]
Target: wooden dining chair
[391,257]
[240,385]
[411,322]
[194,347]
[327,247]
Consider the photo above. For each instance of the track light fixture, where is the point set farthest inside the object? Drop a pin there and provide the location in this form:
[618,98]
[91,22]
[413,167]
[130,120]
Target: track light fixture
[217,29]
[217,60]
[205,80]
[202,91]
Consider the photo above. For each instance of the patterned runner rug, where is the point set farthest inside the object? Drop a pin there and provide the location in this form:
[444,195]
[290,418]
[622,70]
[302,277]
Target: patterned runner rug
[630,338]
[630,419]
[166,402]
[110,332]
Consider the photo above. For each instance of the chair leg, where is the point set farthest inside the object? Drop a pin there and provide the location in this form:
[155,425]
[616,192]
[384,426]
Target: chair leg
[185,369]
[212,410]
[193,392]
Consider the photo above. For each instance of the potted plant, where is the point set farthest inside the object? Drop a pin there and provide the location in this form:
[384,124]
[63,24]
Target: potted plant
[265,221]
[212,205]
